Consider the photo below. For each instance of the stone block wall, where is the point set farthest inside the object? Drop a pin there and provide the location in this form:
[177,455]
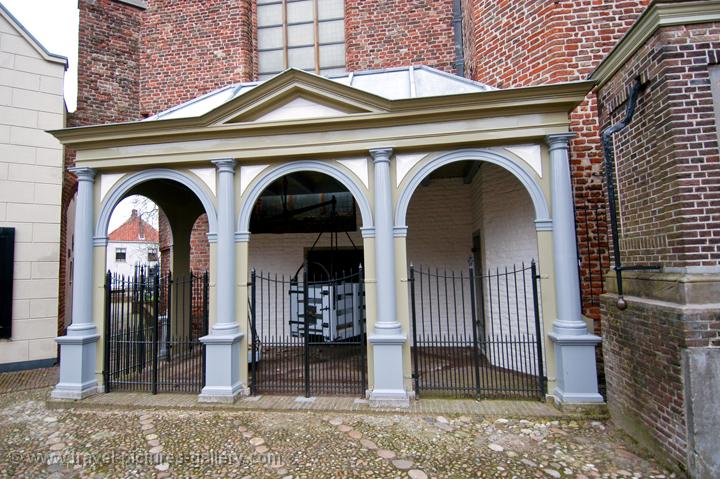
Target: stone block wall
[31,160]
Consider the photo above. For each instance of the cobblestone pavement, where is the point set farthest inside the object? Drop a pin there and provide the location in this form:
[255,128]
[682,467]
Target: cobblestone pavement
[82,442]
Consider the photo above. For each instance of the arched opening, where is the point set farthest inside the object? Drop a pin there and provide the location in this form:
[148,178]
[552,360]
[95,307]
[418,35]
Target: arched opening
[156,303]
[307,293]
[472,243]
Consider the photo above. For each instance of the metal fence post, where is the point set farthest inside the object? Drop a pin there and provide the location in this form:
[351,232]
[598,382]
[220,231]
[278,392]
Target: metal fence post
[155,338]
[475,325]
[168,328]
[414,348]
[106,331]
[538,335]
[306,317]
[253,335]
[363,336]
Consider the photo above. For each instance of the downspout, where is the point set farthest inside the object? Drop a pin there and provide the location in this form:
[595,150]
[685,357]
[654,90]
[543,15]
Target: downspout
[610,180]
[458,35]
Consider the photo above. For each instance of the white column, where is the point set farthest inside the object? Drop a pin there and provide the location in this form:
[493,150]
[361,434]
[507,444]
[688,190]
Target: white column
[387,339]
[574,345]
[78,347]
[222,345]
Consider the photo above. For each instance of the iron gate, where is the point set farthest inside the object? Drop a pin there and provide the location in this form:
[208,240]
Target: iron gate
[152,328]
[308,335]
[477,335]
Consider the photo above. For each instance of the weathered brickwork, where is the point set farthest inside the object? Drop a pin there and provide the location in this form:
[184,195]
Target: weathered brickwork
[668,172]
[199,246]
[165,243]
[643,371]
[667,159]
[108,90]
[191,48]
[394,33]
[513,44]
[108,63]
[643,364]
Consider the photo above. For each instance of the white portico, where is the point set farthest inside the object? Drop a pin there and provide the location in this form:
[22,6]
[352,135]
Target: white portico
[273,163]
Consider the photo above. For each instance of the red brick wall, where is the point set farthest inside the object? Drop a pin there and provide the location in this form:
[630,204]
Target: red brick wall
[514,44]
[191,48]
[108,91]
[393,33]
[643,348]
[667,159]
[108,62]
[668,170]
[199,246]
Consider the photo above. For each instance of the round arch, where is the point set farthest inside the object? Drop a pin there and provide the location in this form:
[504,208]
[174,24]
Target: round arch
[542,212]
[125,184]
[254,192]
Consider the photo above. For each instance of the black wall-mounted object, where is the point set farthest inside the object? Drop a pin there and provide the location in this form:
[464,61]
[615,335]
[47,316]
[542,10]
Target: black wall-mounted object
[7,255]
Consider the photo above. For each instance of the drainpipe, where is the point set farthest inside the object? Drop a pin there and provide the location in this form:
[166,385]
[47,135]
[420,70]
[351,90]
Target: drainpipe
[458,35]
[610,180]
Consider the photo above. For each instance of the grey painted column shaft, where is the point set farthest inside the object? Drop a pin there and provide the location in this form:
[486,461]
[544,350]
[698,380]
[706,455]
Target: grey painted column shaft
[82,318]
[79,347]
[576,380]
[567,281]
[225,321]
[386,320]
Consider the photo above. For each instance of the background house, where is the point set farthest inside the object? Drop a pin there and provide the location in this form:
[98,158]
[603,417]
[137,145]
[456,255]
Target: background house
[31,164]
[131,245]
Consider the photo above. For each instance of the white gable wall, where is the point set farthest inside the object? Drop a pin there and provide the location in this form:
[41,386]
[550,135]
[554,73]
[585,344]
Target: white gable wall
[31,101]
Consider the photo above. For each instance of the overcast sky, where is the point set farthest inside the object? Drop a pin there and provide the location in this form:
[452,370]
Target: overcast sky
[54,23]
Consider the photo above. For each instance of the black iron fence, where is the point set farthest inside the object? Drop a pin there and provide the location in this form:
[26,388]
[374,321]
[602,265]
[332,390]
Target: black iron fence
[477,335]
[308,334]
[152,328]
[593,254]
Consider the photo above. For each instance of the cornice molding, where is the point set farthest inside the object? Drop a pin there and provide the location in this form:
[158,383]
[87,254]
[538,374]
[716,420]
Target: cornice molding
[659,14]
[537,99]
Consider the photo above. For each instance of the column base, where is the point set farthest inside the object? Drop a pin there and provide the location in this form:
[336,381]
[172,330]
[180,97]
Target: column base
[223,395]
[222,369]
[77,367]
[576,369]
[389,388]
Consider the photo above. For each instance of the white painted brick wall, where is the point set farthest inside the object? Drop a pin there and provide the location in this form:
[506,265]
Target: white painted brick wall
[31,101]
[441,220]
[505,215]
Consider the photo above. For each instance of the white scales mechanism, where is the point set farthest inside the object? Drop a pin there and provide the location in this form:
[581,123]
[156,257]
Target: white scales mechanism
[335,300]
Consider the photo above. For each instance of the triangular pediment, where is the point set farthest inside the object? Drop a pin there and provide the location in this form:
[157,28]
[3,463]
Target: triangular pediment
[296,95]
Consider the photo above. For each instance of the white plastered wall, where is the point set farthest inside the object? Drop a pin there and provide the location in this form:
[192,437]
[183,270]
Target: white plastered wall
[31,101]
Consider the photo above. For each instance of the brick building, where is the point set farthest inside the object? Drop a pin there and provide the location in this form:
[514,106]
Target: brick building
[662,355]
[215,44]
[141,59]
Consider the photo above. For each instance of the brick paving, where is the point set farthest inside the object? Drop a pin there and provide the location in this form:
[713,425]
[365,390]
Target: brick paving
[121,400]
[30,379]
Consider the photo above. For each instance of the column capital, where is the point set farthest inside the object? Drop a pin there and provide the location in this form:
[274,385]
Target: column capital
[83,173]
[559,140]
[224,165]
[381,154]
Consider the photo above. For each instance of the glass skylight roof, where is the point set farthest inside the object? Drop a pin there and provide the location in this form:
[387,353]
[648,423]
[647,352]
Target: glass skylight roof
[393,84]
